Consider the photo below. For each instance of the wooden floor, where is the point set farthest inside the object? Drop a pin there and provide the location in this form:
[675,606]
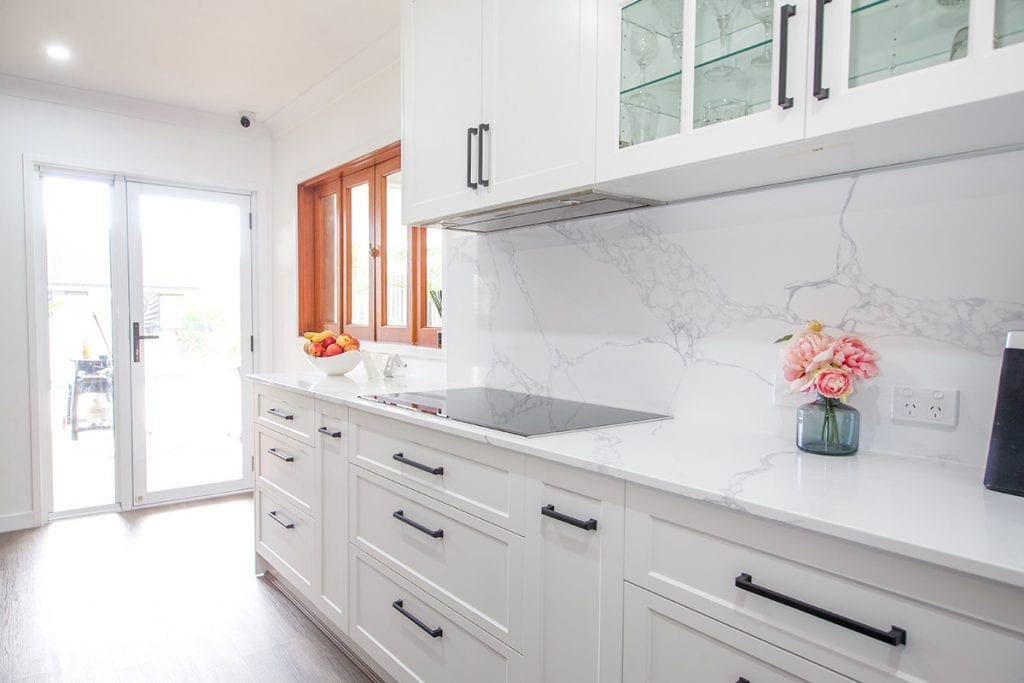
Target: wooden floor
[165,594]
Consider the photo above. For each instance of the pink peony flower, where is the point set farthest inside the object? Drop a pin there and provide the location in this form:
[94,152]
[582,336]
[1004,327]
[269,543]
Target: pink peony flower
[833,383]
[854,356]
[803,356]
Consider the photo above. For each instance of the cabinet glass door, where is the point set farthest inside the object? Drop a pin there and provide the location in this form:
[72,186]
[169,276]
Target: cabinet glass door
[650,71]
[1009,22]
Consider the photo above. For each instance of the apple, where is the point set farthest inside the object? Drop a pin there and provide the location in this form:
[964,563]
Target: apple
[305,347]
[316,349]
[354,342]
[328,341]
[332,350]
[349,347]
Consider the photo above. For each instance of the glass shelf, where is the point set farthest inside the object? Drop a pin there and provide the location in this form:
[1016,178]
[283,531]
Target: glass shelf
[1009,22]
[893,37]
[651,111]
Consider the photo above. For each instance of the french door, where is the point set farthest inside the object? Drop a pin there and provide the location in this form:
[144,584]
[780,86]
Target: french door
[149,316]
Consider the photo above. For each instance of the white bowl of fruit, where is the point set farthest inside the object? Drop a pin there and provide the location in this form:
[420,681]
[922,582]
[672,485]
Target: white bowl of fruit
[331,353]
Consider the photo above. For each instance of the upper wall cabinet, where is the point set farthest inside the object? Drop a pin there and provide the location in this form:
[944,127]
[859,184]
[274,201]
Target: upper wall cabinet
[682,81]
[498,102]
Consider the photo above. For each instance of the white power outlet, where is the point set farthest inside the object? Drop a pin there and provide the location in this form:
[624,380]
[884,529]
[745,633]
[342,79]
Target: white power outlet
[925,406]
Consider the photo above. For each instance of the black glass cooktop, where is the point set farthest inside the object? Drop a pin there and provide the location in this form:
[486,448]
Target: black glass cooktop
[513,412]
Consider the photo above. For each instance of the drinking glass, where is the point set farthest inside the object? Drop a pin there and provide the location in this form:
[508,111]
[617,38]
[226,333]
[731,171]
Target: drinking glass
[671,16]
[723,11]
[643,45]
[724,109]
[643,116]
[762,11]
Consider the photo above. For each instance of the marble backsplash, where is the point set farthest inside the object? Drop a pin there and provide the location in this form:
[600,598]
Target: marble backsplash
[674,309]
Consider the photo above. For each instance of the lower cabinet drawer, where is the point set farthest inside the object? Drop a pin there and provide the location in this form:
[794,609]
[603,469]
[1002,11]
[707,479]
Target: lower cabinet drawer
[286,538]
[416,638]
[668,643]
[866,632]
[472,565]
[290,467]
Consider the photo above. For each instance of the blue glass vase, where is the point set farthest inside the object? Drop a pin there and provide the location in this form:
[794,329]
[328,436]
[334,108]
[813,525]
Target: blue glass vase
[827,426]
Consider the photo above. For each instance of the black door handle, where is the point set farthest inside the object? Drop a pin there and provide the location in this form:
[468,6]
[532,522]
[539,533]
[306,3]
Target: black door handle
[277,412]
[819,40]
[894,636]
[741,679]
[281,456]
[273,515]
[433,632]
[589,524]
[328,432]
[484,127]
[433,533]
[137,338]
[470,132]
[418,465]
[787,11]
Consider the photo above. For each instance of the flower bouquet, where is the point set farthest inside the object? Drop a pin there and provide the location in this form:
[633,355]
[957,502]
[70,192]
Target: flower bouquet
[815,361]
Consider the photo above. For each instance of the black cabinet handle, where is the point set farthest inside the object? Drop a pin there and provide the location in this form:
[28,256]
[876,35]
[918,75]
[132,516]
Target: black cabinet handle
[786,11]
[484,127]
[433,533]
[418,465]
[277,412]
[819,39]
[741,679]
[894,636]
[470,132]
[433,632]
[328,432]
[273,515]
[549,511]
[281,456]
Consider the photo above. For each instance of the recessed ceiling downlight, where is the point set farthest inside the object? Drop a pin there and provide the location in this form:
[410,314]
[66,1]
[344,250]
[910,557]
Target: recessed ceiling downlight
[58,52]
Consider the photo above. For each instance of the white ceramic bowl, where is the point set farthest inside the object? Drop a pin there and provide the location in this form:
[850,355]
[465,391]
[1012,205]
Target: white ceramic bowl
[335,365]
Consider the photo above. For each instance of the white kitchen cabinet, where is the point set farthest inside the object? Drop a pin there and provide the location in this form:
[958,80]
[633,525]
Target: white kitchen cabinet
[672,90]
[574,581]
[668,643]
[332,446]
[498,103]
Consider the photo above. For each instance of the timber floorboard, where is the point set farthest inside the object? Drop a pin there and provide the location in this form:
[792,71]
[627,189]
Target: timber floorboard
[163,594]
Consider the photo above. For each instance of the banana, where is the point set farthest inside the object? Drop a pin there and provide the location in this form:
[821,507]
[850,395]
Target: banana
[320,336]
[309,335]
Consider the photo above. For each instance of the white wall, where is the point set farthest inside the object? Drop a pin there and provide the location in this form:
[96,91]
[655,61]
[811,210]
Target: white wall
[675,308]
[366,118]
[95,140]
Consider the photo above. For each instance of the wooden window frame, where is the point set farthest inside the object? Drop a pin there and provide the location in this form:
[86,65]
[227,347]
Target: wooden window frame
[373,169]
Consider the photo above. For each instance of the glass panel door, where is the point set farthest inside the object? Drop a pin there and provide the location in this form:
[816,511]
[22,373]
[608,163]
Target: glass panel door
[189,297]
[1009,22]
[650,71]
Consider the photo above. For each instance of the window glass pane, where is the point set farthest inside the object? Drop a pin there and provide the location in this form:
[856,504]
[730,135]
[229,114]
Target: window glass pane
[397,240]
[327,257]
[433,266]
[361,268]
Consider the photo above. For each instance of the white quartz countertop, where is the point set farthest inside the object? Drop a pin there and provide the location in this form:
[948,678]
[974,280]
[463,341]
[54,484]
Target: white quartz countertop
[929,510]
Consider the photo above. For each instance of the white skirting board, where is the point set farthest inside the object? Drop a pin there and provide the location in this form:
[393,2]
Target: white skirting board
[19,520]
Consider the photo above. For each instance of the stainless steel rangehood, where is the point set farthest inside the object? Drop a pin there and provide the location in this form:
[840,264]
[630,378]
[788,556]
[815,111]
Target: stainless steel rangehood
[545,210]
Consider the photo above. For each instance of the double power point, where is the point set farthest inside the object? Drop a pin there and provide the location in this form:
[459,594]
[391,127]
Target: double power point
[919,405]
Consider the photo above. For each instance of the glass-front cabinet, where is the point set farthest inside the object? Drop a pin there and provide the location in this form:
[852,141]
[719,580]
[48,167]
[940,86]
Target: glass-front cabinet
[697,79]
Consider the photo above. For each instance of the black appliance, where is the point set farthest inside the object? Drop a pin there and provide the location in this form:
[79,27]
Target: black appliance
[514,412]
[1005,470]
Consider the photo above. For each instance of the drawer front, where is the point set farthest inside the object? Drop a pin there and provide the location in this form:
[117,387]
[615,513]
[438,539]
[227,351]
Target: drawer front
[286,538]
[480,479]
[454,651]
[331,424]
[473,566]
[285,412]
[665,553]
[290,467]
[668,643]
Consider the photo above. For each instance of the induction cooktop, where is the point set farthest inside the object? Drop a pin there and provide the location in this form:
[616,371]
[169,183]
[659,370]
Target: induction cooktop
[514,412]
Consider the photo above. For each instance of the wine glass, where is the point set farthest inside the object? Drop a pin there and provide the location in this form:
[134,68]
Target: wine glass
[671,18]
[643,45]
[723,10]
[762,11]
[643,116]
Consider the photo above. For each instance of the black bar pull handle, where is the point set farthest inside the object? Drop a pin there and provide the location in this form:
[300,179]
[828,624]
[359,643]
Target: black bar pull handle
[741,679]
[328,432]
[418,465]
[137,338]
[281,456]
[433,533]
[588,525]
[894,636]
[432,632]
[819,40]
[786,11]
[470,132]
[484,127]
[277,412]
[273,515]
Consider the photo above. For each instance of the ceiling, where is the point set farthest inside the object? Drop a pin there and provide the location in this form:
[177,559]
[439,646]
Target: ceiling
[215,56]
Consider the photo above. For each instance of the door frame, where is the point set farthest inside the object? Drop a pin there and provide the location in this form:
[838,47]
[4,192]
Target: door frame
[37,328]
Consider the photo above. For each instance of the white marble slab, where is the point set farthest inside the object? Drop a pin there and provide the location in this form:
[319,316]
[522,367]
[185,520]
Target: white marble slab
[935,511]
